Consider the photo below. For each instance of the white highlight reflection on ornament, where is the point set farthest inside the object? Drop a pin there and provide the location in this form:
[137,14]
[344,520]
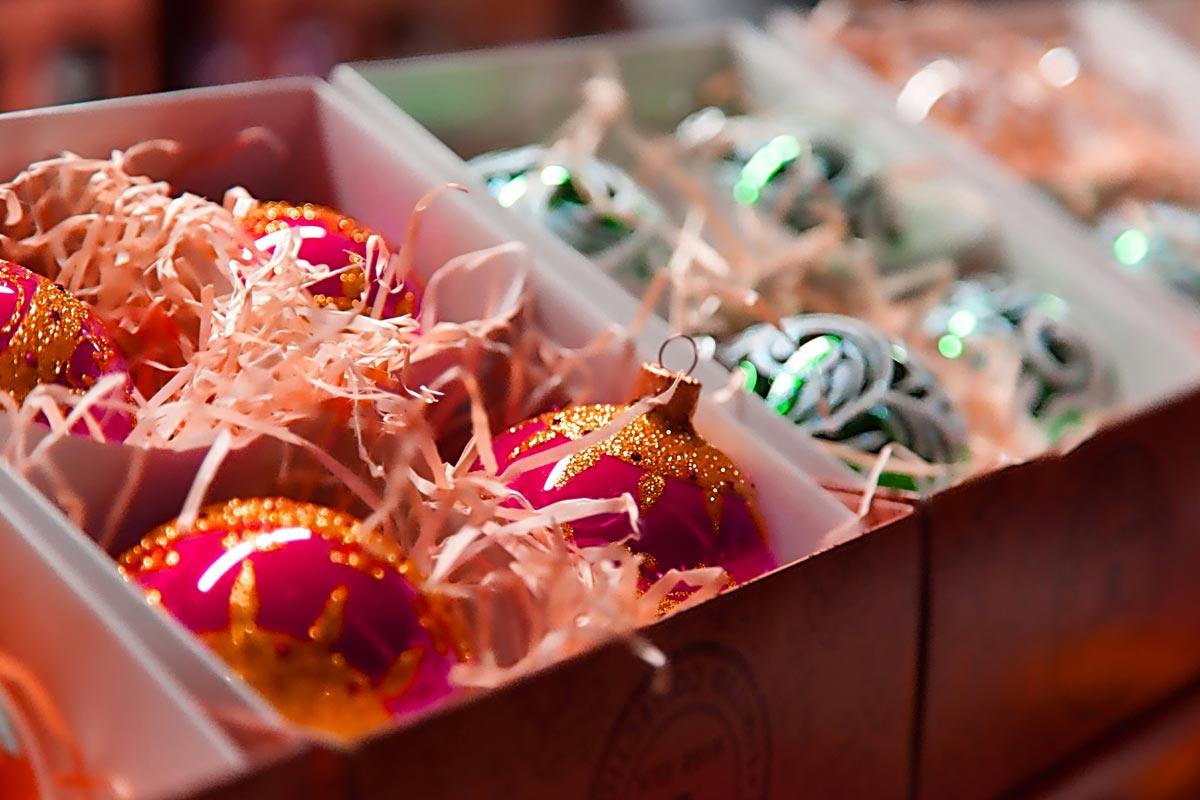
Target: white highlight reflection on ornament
[234,555]
[1059,66]
[559,468]
[10,745]
[276,238]
[926,87]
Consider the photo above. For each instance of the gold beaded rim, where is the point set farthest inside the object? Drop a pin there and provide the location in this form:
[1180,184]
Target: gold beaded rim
[274,215]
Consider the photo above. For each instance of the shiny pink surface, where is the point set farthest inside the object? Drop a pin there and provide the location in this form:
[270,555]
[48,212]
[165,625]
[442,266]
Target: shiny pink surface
[294,581]
[87,362]
[675,530]
[321,245]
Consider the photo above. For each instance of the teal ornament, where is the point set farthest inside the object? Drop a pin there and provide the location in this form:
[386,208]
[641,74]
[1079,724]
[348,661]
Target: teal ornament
[843,380]
[794,172]
[1065,375]
[782,168]
[1160,241]
[591,205]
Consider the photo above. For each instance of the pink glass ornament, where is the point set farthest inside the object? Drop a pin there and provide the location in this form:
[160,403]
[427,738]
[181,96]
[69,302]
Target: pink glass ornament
[696,508]
[48,336]
[316,615]
[331,239]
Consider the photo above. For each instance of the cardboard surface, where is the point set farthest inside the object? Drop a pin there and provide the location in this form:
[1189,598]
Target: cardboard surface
[801,681]
[1156,759]
[308,773]
[1063,600]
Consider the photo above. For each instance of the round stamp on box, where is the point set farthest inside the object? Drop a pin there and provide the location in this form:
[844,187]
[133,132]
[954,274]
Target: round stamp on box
[707,737]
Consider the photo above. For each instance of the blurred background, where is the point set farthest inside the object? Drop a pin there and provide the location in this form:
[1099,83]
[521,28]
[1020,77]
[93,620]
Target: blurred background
[60,51]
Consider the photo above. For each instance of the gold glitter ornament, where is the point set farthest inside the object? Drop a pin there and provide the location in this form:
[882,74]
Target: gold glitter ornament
[328,237]
[48,336]
[316,614]
[696,508]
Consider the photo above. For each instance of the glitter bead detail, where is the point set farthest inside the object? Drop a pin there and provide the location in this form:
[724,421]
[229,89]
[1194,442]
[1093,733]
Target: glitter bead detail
[274,216]
[341,244]
[695,506]
[48,336]
[647,442]
[313,612]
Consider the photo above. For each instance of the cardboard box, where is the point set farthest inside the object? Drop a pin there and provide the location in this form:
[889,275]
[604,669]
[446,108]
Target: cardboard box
[1157,758]
[770,689]
[801,681]
[826,643]
[308,773]
[1040,576]
[1062,601]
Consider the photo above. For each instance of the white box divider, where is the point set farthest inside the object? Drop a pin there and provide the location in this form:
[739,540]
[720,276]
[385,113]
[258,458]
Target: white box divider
[133,719]
[517,96]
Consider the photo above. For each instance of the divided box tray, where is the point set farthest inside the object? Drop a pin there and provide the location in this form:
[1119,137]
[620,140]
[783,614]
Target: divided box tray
[1057,592]
[803,677]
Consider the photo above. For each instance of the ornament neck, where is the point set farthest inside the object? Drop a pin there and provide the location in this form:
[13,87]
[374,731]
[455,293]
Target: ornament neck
[656,379]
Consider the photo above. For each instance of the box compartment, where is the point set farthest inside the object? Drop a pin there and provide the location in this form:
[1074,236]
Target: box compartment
[100,677]
[344,157]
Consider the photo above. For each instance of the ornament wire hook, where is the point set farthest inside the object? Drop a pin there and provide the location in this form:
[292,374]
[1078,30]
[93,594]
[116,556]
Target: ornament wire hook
[695,351]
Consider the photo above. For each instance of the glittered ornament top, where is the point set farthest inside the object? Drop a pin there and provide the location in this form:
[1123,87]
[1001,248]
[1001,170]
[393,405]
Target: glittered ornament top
[331,239]
[48,336]
[311,611]
[696,507]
